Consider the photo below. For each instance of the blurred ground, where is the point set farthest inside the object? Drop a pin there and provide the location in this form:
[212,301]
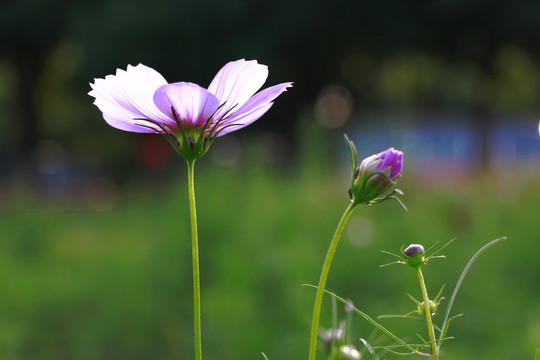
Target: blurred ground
[111,278]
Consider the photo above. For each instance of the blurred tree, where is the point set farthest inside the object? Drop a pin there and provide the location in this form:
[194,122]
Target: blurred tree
[308,42]
[30,29]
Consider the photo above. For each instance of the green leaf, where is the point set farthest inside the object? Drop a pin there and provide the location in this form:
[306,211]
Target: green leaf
[354,154]
[370,349]
[371,321]
[444,327]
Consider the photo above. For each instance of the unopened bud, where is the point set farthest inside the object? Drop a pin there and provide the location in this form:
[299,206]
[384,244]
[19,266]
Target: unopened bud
[414,255]
[376,176]
[413,250]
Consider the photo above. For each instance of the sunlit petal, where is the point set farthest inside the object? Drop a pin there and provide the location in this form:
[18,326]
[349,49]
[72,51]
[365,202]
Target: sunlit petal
[127,96]
[261,99]
[236,82]
[243,121]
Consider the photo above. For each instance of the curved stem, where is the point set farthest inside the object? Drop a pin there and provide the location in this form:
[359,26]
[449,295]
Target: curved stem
[322,281]
[427,310]
[195,255]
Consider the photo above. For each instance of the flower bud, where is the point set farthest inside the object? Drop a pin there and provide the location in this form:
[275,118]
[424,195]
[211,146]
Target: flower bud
[414,255]
[433,306]
[413,250]
[349,352]
[376,177]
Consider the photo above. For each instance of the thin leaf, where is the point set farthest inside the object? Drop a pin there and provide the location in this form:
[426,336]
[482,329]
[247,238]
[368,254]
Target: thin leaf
[448,322]
[444,327]
[404,354]
[392,254]
[368,319]
[404,316]
[354,155]
[442,247]
[440,293]
[431,247]
[399,202]
[422,340]
[392,263]
[370,349]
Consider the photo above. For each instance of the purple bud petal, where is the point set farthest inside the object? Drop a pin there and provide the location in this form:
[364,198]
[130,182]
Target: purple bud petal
[392,160]
[413,250]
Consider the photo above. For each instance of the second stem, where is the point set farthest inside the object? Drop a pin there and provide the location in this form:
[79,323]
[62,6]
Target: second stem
[427,310]
[322,281]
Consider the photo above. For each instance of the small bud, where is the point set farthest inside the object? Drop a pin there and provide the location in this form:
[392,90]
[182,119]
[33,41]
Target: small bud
[413,250]
[414,255]
[433,306]
[376,177]
[349,352]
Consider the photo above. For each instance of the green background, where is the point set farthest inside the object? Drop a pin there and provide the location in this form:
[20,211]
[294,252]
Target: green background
[112,280]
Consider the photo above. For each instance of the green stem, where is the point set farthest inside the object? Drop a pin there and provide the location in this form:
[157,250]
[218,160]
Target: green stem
[427,310]
[322,281]
[195,255]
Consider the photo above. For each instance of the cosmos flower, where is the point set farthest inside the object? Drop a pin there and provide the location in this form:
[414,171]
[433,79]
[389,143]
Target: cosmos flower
[189,116]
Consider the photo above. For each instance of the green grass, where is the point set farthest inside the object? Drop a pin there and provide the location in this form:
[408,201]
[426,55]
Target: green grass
[116,284]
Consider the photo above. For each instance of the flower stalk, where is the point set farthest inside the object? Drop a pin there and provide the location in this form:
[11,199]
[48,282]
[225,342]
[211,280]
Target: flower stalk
[373,181]
[322,280]
[427,310]
[189,117]
[195,256]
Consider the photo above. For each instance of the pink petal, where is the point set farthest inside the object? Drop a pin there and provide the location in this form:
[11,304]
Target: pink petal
[130,125]
[261,99]
[139,84]
[243,121]
[236,82]
[127,96]
[117,116]
[193,104]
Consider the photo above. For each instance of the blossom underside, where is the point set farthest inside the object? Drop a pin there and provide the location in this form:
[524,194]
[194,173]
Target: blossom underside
[139,99]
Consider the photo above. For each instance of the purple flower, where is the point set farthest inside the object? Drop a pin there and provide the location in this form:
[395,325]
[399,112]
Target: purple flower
[376,177]
[140,100]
